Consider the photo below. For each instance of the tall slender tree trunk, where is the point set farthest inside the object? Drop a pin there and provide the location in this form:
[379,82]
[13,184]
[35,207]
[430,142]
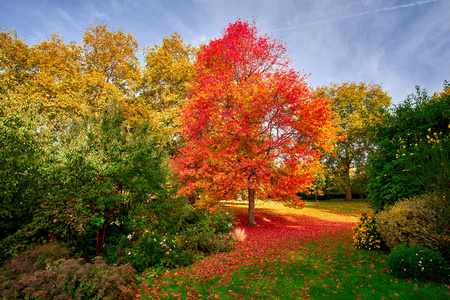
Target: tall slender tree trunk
[348,189]
[251,207]
[315,195]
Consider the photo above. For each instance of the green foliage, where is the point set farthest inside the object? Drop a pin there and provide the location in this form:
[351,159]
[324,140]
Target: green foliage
[420,220]
[98,180]
[393,177]
[207,231]
[418,262]
[150,250]
[196,230]
[105,177]
[365,234]
[21,150]
[356,107]
[72,278]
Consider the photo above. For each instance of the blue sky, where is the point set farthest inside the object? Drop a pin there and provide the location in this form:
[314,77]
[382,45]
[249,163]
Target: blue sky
[395,43]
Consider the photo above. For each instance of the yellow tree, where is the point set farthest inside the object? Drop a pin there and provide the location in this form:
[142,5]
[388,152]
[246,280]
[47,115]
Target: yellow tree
[356,107]
[16,69]
[57,85]
[165,82]
[46,76]
[111,66]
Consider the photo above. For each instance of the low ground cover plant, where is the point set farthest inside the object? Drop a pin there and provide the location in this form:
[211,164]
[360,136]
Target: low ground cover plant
[71,279]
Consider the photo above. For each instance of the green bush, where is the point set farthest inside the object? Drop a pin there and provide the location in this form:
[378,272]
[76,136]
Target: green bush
[395,173]
[418,262]
[197,230]
[420,220]
[151,249]
[72,278]
[206,231]
[365,234]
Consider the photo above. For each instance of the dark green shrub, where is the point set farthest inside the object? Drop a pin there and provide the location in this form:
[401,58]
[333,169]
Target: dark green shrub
[222,221]
[206,231]
[151,249]
[365,234]
[76,279]
[418,262]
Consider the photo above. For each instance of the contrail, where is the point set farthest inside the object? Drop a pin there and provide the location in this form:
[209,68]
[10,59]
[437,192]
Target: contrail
[356,15]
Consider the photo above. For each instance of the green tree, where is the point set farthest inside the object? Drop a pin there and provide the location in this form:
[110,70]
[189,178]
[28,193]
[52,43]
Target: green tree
[21,150]
[356,106]
[104,175]
[394,172]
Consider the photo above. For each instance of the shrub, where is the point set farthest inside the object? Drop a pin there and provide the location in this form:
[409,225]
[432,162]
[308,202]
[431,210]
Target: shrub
[207,231]
[418,262]
[196,230]
[416,221]
[394,175]
[73,278]
[21,155]
[365,234]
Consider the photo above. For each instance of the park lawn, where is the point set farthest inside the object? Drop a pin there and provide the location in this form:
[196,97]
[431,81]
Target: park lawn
[292,254]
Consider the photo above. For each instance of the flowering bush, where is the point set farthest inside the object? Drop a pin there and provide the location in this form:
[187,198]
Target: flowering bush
[197,230]
[72,278]
[413,147]
[365,234]
[149,250]
[418,262]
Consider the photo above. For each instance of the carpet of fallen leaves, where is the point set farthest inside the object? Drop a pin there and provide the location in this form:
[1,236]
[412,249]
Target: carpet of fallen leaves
[280,233]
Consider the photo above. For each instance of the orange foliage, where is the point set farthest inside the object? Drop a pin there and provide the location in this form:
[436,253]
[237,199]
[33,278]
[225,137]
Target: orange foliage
[250,121]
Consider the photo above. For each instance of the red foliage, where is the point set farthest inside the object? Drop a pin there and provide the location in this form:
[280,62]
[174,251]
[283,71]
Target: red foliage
[250,122]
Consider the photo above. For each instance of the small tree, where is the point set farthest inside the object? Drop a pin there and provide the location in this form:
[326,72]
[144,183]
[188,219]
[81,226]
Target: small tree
[250,123]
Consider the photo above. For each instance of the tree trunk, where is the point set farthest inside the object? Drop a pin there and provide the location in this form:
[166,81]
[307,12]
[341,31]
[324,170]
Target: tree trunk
[315,194]
[348,193]
[251,207]
[348,189]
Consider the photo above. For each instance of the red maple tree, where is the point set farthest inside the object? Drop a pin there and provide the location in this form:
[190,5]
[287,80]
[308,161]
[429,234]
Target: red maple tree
[250,122]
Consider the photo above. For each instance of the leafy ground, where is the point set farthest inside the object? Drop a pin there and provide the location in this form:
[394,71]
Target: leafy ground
[303,254]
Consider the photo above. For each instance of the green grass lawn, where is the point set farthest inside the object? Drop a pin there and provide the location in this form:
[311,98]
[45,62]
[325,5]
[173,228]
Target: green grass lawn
[293,254]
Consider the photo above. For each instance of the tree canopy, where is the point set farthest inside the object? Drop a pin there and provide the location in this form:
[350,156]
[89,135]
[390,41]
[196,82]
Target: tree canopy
[356,107]
[250,123]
